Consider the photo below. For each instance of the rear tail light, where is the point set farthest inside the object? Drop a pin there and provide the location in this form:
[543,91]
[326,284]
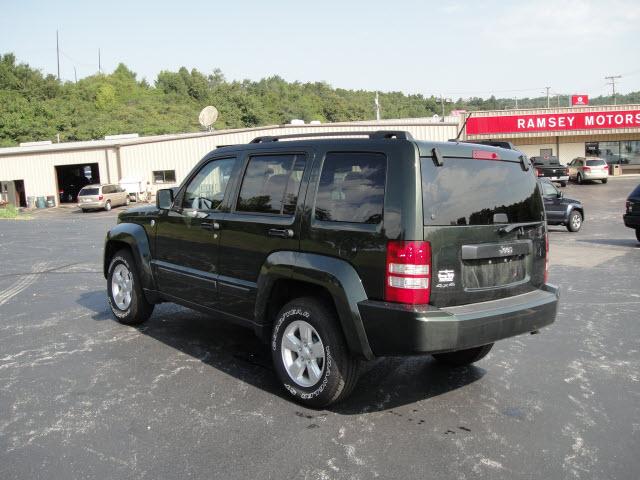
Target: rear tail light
[546,256]
[408,272]
[100,197]
[538,172]
[587,169]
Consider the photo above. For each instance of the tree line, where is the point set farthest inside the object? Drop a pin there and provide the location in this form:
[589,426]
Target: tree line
[35,106]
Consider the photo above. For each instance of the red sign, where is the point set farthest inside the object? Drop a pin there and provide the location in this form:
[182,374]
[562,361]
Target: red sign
[550,122]
[579,100]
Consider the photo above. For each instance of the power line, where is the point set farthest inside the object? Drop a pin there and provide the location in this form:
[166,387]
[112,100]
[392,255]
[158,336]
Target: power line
[612,82]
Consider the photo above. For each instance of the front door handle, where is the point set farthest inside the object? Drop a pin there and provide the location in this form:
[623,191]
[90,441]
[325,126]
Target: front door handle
[281,232]
[210,225]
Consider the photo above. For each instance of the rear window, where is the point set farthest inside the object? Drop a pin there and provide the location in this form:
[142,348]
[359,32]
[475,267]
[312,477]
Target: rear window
[479,192]
[351,188]
[596,163]
[89,191]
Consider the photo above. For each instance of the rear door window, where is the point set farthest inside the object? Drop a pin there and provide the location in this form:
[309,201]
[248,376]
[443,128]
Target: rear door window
[478,192]
[351,188]
[271,184]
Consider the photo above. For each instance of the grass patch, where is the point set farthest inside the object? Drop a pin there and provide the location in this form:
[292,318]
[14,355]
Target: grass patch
[9,212]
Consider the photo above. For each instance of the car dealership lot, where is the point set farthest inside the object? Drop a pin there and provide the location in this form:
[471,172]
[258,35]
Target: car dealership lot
[82,396]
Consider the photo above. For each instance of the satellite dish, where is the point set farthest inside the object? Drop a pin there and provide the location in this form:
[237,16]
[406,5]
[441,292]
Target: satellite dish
[208,116]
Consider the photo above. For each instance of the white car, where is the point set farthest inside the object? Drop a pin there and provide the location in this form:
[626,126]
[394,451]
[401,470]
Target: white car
[581,169]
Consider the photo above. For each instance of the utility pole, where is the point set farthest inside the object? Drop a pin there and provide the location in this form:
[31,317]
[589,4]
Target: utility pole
[99,63]
[377,102]
[548,88]
[516,99]
[612,82]
[75,74]
[58,54]
[442,102]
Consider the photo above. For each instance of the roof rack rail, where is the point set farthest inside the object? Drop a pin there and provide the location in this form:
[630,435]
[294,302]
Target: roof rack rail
[377,135]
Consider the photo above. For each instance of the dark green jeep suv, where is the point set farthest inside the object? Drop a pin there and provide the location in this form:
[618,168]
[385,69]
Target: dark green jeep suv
[339,250]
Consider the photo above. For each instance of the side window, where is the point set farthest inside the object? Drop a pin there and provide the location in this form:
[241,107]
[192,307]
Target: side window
[548,190]
[108,189]
[351,188]
[206,189]
[271,184]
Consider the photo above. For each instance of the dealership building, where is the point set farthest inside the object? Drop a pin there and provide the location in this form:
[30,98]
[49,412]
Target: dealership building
[46,171]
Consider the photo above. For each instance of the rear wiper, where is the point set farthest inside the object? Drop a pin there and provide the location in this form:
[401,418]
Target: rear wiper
[514,226]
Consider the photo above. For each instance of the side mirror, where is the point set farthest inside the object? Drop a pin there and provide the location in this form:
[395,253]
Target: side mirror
[560,194]
[164,198]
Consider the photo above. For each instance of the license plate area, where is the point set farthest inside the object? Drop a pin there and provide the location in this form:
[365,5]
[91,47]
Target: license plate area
[493,272]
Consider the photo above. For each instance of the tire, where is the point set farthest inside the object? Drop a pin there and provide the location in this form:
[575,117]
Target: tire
[337,371]
[575,221]
[563,184]
[463,358]
[579,179]
[137,309]
[127,201]
[638,234]
[107,206]
[605,180]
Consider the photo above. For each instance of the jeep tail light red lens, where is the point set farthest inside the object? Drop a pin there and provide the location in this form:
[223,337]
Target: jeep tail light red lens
[546,257]
[485,155]
[408,272]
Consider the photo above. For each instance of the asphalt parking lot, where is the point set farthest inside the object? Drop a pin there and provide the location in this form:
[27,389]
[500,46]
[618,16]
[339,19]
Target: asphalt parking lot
[82,396]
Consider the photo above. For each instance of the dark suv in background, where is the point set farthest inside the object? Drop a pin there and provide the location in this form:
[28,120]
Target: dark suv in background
[632,215]
[336,251]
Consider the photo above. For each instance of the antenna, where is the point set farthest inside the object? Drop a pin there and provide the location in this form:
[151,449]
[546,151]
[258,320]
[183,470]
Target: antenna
[208,116]
[612,82]
[58,54]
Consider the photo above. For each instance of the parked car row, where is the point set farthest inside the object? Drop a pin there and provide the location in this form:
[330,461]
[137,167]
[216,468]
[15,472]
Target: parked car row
[99,197]
[580,169]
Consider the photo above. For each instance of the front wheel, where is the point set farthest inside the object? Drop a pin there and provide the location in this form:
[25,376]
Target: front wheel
[127,201]
[563,184]
[462,358]
[310,354]
[580,181]
[605,180]
[124,291]
[575,221]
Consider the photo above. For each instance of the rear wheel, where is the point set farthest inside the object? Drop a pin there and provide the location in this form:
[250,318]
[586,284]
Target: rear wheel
[463,357]
[638,234]
[124,291]
[310,354]
[107,206]
[605,180]
[563,184]
[580,181]
[127,201]
[575,221]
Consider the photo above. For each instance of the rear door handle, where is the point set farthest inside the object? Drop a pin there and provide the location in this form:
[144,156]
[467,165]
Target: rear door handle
[210,225]
[281,232]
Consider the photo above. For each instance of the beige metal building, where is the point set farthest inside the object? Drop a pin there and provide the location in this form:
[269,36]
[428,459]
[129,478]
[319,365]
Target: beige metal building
[29,172]
[56,171]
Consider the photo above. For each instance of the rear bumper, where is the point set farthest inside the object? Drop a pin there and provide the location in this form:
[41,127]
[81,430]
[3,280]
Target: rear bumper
[558,178]
[631,221]
[394,329]
[594,176]
[92,205]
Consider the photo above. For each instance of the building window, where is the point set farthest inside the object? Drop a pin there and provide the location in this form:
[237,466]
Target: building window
[626,152]
[164,176]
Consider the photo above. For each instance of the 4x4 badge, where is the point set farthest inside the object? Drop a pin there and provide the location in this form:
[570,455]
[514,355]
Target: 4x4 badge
[446,275]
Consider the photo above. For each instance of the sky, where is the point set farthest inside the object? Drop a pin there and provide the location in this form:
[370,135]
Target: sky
[455,49]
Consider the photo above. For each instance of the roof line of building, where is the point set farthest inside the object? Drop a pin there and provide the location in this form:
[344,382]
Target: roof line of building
[115,144]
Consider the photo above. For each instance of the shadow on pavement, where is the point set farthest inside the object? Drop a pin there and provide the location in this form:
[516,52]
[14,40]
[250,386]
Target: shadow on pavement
[616,242]
[384,383]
